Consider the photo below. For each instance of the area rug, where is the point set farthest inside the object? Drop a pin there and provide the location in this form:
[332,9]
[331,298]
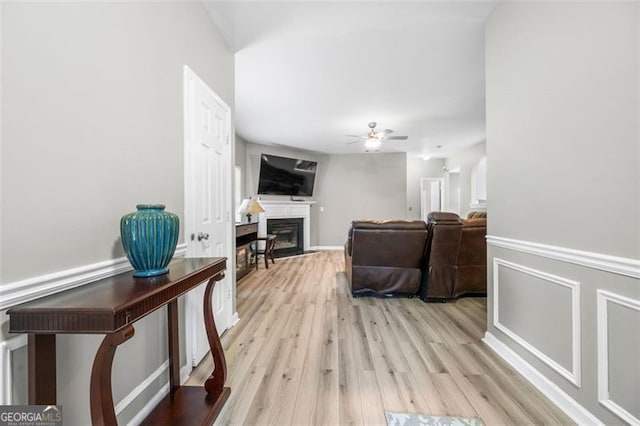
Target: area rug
[410,419]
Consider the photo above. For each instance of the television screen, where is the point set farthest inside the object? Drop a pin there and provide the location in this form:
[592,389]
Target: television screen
[286,176]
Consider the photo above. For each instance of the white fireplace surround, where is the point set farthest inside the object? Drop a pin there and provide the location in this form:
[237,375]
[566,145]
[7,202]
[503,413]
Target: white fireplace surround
[276,209]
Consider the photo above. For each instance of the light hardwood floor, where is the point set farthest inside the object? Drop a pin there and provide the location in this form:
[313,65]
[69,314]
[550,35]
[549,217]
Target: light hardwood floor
[306,353]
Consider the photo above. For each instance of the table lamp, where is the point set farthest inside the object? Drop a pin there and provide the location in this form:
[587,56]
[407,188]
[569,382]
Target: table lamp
[254,208]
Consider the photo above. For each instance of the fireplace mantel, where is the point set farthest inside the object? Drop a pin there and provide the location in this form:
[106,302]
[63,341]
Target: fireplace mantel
[277,209]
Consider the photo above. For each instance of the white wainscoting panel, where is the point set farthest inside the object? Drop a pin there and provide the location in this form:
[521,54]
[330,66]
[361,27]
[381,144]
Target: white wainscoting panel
[617,265]
[6,348]
[574,376]
[603,299]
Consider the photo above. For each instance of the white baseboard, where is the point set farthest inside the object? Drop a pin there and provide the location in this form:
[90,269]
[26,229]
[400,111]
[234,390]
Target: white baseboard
[185,372]
[567,404]
[234,319]
[142,386]
[149,406]
[319,248]
[45,285]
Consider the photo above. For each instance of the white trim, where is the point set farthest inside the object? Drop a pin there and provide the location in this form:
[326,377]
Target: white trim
[442,195]
[45,285]
[603,352]
[188,93]
[6,347]
[478,206]
[149,406]
[140,388]
[603,262]
[190,81]
[574,376]
[322,248]
[567,404]
[234,319]
[185,372]
[275,209]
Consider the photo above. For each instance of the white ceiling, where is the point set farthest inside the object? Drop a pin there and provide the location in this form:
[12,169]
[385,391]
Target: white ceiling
[309,73]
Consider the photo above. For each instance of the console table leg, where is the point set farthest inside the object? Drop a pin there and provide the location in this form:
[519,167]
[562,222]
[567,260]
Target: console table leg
[174,345]
[42,369]
[101,398]
[215,382]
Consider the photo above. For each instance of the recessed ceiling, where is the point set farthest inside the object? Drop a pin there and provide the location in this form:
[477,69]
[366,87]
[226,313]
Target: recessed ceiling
[309,73]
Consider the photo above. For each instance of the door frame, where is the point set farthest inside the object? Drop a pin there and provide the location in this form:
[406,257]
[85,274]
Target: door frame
[427,180]
[189,214]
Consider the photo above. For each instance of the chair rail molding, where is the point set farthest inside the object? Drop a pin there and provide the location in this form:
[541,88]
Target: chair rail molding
[45,285]
[603,299]
[603,262]
[573,376]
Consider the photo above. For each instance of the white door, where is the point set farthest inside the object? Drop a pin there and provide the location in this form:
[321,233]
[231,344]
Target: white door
[431,196]
[207,204]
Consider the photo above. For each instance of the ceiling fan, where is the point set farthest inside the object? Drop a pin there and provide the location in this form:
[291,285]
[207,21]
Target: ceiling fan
[373,139]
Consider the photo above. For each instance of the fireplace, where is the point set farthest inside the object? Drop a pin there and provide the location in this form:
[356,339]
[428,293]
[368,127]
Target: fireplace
[290,234]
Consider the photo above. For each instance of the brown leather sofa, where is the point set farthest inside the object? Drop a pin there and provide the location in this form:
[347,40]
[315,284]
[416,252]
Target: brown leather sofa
[385,258]
[456,255]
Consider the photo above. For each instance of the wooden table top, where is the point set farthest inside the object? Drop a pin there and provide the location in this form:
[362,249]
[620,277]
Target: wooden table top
[109,304]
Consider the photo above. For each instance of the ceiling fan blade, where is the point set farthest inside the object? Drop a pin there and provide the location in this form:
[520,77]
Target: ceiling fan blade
[384,132]
[397,138]
[357,136]
[351,143]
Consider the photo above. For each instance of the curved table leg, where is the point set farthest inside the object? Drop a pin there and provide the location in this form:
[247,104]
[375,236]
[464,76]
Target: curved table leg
[101,399]
[215,383]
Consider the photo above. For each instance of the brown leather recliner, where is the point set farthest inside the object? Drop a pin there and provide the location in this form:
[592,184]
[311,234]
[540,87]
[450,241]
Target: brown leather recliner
[385,258]
[456,256]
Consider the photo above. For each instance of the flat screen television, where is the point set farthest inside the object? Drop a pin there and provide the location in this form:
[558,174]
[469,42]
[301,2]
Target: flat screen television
[286,176]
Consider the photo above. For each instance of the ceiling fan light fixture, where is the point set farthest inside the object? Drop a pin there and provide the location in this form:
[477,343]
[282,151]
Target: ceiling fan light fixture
[372,143]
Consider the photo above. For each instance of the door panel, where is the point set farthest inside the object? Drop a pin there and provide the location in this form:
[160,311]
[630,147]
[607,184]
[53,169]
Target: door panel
[431,196]
[207,121]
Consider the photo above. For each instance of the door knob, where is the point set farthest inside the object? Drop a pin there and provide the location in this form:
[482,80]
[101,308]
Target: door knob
[202,236]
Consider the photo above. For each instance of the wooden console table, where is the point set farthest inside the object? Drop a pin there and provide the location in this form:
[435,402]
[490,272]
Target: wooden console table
[110,306]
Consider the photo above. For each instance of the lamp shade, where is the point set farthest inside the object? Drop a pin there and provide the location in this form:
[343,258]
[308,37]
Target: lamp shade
[254,207]
[243,206]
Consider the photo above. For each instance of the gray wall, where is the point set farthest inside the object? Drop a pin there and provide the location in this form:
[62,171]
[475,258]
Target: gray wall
[92,109]
[418,168]
[564,171]
[347,187]
[360,186]
[570,94]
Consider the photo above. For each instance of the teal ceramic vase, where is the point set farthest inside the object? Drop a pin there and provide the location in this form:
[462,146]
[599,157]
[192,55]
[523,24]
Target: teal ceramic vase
[149,237]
